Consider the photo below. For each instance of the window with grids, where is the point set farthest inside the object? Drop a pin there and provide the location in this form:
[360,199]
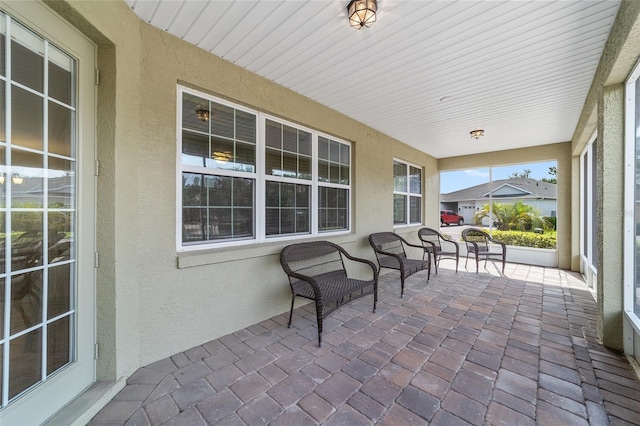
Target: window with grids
[218,171]
[334,177]
[248,176]
[407,193]
[288,179]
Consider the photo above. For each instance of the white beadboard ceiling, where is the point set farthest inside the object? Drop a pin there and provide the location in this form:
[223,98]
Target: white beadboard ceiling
[426,73]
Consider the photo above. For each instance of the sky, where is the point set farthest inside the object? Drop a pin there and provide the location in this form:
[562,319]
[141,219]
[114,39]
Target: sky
[454,181]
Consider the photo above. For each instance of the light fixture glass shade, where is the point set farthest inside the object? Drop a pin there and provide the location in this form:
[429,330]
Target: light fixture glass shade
[203,114]
[362,13]
[221,157]
[477,134]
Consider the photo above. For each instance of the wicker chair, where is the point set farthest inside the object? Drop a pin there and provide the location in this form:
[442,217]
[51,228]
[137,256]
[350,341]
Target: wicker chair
[439,246]
[316,271]
[481,245]
[391,253]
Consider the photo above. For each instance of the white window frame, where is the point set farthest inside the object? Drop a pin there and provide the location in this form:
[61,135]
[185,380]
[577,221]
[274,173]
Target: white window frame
[408,194]
[629,210]
[260,178]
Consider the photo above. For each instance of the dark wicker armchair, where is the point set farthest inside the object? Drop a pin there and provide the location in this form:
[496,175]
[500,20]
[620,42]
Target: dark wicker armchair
[316,271]
[439,246]
[481,246]
[391,253]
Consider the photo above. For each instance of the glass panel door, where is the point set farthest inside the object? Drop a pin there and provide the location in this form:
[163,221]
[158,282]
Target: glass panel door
[44,356]
[37,226]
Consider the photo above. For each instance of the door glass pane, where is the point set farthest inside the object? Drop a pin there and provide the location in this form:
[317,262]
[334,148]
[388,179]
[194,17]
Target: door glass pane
[3,33]
[26,239]
[61,177]
[3,180]
[27,58]
[26,179]
[61,236]
[25,362]
[2,284]
[1,363]
[59,291]
[26,301]
[3,136]
[26,119]
[60,128]
[61,72]
[58,344]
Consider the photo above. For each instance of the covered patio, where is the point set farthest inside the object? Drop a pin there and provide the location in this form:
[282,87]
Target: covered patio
[516,349]
[200,138]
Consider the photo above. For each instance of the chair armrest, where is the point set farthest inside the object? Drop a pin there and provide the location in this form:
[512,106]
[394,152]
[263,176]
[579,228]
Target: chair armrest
[306,278]
[504,246]
[457,246]
[411,245]
[472,244]
[432,244]
[365,261]
[424,249]
[386,253]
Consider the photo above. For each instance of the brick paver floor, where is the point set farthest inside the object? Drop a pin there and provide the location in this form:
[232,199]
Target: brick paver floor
[466,348]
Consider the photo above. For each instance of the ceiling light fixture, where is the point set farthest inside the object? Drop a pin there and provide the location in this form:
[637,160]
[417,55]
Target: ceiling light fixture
[477,134]
[221,157]
[202,114]
[362,13]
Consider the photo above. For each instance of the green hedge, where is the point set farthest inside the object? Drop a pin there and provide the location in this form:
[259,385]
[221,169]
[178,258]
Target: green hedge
[526,239]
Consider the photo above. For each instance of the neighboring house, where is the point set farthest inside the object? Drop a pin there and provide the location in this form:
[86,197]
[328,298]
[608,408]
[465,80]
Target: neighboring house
[539,194]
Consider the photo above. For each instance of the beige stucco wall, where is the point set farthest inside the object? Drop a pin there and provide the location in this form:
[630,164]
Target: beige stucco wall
[610,215]
[559,152]
[153,301]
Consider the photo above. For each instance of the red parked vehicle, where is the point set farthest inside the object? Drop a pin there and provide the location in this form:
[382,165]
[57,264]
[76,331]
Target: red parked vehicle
[447,217]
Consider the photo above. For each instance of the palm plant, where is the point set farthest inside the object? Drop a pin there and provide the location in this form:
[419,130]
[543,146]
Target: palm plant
[514,216]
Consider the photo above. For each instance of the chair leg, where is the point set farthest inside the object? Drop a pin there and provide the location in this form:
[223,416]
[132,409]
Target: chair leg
[467,260]
[375,299]
[293,298]
[477,263]
[401,283]
[457,260]
[319,321]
